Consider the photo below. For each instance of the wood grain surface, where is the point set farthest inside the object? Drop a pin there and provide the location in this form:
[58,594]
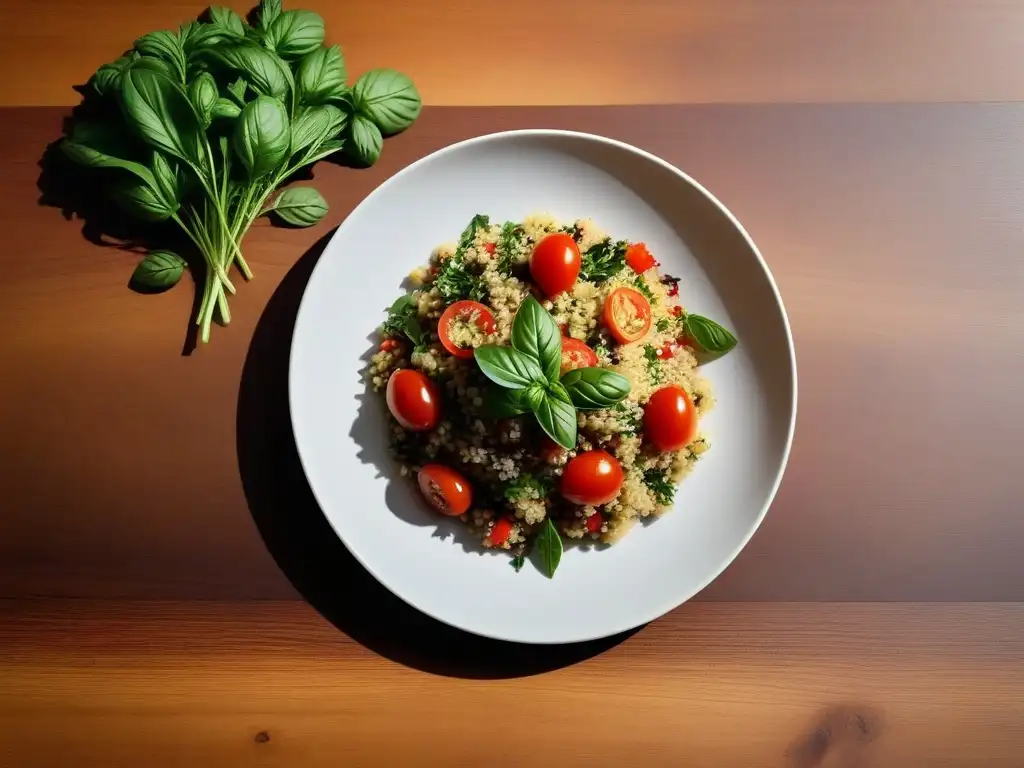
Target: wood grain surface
[896,236]
[465,52]
[270,684]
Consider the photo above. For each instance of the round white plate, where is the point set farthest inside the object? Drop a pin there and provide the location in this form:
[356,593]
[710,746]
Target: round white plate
[341,432]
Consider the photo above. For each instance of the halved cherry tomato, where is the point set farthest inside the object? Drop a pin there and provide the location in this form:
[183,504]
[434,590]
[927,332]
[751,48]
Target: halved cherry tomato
[627,313]
[592,478]
[413,400]
[447,491]
[463,310]
[670,420]
[594,523]
[550,451]
[500,532]
[639,258]
[576,354]
[555,263]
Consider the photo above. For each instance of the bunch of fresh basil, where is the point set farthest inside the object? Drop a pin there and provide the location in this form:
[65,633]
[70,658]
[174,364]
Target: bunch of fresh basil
[201,125]
[527,375]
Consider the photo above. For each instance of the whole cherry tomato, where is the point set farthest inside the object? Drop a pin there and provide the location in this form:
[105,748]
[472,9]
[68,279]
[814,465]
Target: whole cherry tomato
[555,263]
[592,478]
[670,419]
[413,400]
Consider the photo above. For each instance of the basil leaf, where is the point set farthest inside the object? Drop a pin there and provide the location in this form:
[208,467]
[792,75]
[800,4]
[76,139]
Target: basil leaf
[106,81]
[321,76]
[94,158]
[237,90]
[534,396]
[479,221]
[594,388]
[143,200]
[535,333]
[158,270]
[556,390]
[549,548]
[202,92]
[161,114]
[517,562]
[167,181]
[269,11]
[228,20]
[364,140]
[262,136]
[264,72]
[300,206]
[501,403]
[295,33]
[558,419]
[225,109]
[708,334]
[389,98]
[204,37]
[187,31]
[164,45]
[325,149]
[314,125]
[414,331]
[507,367]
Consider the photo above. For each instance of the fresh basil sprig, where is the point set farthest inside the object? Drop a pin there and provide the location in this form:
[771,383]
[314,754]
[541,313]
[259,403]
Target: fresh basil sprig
[549,547]
[709,335]
[402,322]
[527,374]
[202,124]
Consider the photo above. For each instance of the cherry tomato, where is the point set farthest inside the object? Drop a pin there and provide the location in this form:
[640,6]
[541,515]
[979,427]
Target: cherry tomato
[447,491]
[555,263]
[500,532]
[627,314]
[593,478]
[639,258]
[550,451]
[576,354]
[490,248]
[670,420]
[463,310]
[413,400]
[594,523]
[389,345]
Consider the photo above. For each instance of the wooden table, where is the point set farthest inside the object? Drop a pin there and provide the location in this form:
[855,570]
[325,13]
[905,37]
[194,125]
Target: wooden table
[157,535]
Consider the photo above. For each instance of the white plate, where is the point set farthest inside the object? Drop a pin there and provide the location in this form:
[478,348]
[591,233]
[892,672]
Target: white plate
[341,433]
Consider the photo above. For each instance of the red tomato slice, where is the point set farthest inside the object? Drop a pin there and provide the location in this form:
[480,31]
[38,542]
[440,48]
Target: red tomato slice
[627,313]
[413,400]
[592,478]
[639,258]
[500,532]
[555,263]
[447,491]
[463,310]
[670,419]
[576,354]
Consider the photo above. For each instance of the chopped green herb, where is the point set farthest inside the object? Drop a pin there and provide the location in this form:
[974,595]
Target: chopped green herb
[653,363]
[509,243]
[641,285]
[657,480]
[663,324]
[602,351]
[402,322]
[518,562]
[522,485]
[469,233]
[631,420]
[455,282]
[604,260]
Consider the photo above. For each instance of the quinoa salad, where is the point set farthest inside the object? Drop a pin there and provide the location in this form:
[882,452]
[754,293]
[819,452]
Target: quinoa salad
[543,384]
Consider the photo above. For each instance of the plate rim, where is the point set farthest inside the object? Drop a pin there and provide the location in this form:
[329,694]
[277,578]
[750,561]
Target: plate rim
[687,178]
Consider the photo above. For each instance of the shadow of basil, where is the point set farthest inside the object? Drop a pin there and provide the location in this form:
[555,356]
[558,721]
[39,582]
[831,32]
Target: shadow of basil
[309,553]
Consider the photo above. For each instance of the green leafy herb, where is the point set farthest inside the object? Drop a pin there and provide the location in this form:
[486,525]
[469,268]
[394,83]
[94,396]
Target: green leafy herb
[708,334]
[455,282]
[526,486]
[630,418]
[501,403]
[595,388]
[509,242]
[507,366]
[653,363]
[641,285]
[158,270]
[300,206]
[557,417]
[535,333]
[480,221]
[549,548]
[661,486]
[518,562]
[389,98]
[402,321]
[200,126]
[603,261]
[663,324]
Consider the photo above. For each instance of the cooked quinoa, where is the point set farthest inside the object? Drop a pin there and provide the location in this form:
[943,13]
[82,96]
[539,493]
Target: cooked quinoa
[513,468]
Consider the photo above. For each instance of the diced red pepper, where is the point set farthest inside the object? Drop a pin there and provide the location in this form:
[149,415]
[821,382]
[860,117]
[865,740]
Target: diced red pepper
[490,248]
[665,351]
[389,345]
[500,532]
[639,258]
[594,523]
[676,310]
